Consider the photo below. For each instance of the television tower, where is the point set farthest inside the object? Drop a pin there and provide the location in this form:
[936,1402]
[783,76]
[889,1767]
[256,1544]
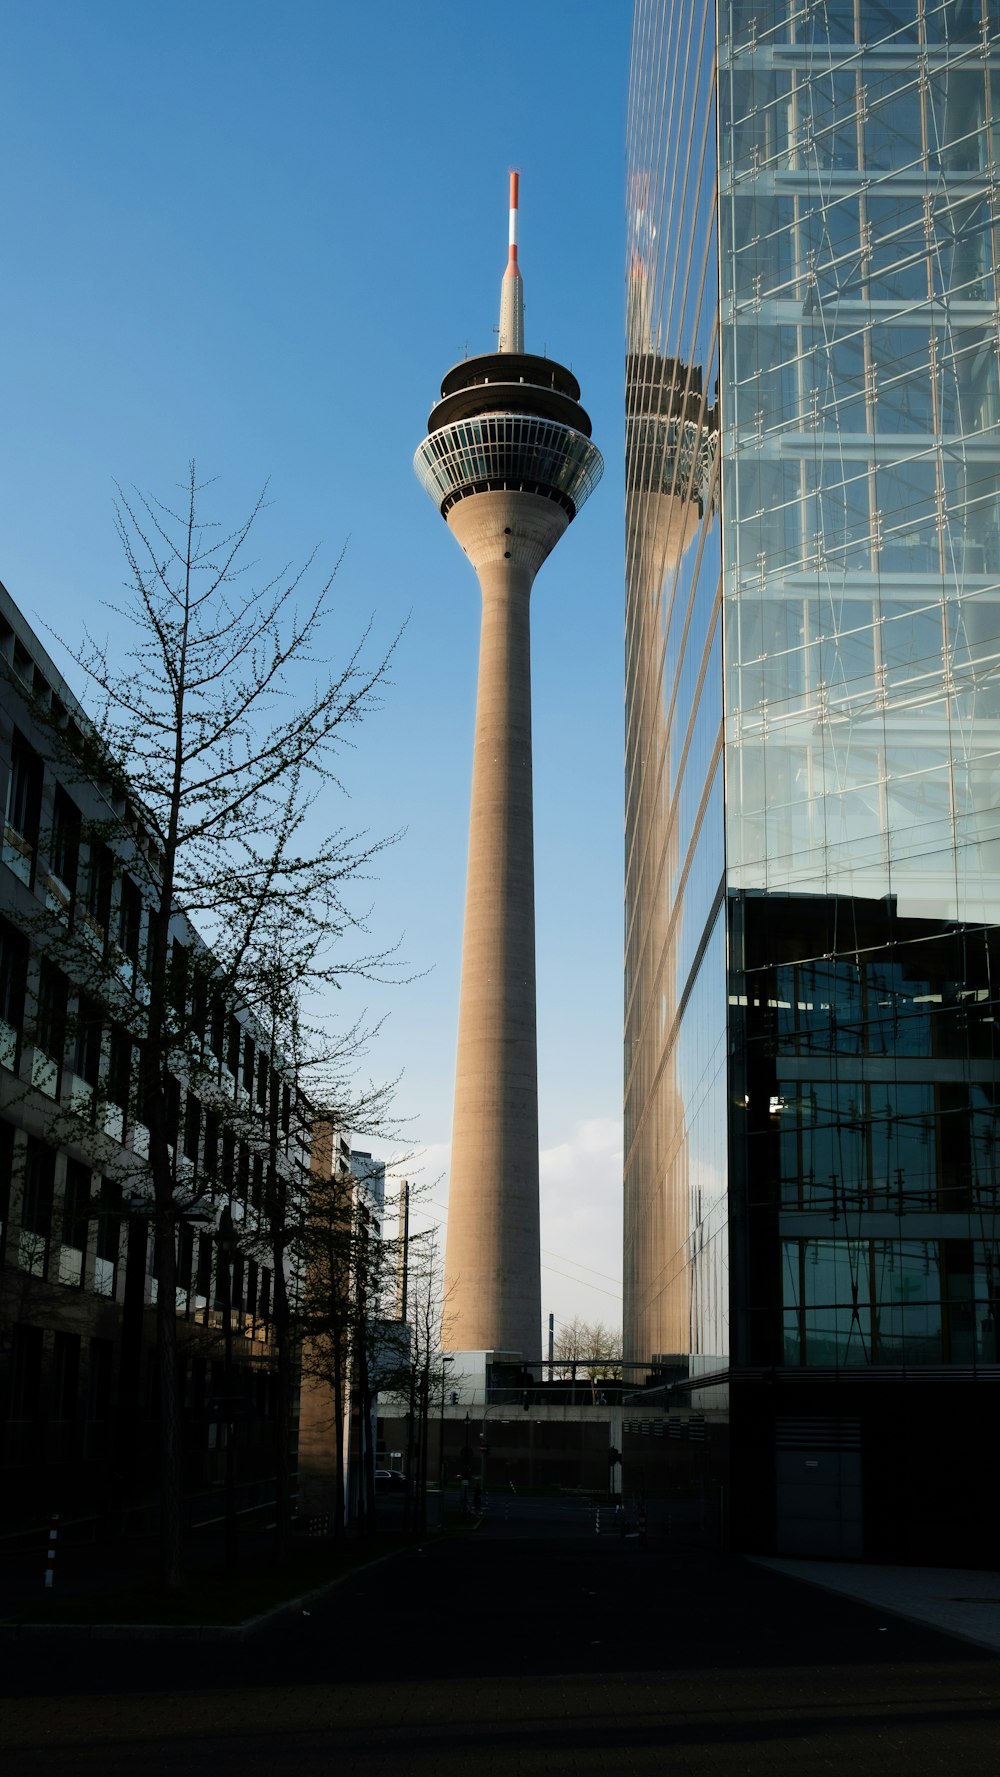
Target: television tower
[508,461]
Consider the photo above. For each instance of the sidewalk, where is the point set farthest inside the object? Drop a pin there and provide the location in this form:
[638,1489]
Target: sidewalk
[961,1601]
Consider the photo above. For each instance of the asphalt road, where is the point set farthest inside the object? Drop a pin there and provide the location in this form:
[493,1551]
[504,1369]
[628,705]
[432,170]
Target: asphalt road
[542,1643]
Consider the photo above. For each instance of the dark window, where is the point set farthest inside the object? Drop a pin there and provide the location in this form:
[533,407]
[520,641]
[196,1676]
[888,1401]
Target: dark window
[264,1298]
[243,1173]
[204,1265]
[251,1286]
[248,1054]
[36,1207]
[13,968]
[173,1110]
[217,1028]
[87,1042]
[185,1257]
[109,1222]
[150,946]
[65,840]
[75,1222]
[192,1127]
[129,919]
[257,1191]
[119,1068]
[99,877]
[24,790]
[228,1161]
[262,1072]
[286,1108]
[233,1047]
[50,1028]
[6,1170]
[211,1158]
[178,975]
[199,1001]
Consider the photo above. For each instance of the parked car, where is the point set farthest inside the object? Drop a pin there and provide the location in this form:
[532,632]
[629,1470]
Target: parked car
[387,1479]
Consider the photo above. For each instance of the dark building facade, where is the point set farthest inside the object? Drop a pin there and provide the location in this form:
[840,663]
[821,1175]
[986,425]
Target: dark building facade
[813,766]
[78,1393]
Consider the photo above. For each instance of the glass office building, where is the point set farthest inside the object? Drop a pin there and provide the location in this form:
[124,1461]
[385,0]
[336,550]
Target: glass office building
[813,753]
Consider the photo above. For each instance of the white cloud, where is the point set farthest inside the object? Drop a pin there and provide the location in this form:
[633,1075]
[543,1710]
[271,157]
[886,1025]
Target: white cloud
[581,1190]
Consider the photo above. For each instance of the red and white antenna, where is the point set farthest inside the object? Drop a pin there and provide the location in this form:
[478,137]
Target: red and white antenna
[512,288]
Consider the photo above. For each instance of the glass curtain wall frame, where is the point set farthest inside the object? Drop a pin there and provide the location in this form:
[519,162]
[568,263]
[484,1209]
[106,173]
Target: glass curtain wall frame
[676,1256]
[859,220]
[861,483]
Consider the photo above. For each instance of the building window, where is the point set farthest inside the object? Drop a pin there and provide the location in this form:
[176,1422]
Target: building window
[36,1208]
[65,854]
[100,871]
[119,1083]
[192,1128]
[217,1027]
[172,1108]
[75,1224]
[6,1176]
[24,800]
[13,970]
[50,1029]
[108,1239]
[203,1284]
[178,976]
[129,924]
[185,1266]
[87,1042]
[211,1146]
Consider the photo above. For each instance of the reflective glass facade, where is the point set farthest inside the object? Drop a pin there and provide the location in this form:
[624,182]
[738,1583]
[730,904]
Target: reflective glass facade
[814,217]
[676,1257]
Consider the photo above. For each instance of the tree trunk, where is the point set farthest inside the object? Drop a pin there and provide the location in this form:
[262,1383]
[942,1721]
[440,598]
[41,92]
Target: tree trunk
[283,1423]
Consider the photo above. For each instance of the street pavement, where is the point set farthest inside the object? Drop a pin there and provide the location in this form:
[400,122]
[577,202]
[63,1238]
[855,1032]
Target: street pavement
[544,1642]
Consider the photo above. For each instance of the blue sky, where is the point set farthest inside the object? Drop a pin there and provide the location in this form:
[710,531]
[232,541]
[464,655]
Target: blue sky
[259,237]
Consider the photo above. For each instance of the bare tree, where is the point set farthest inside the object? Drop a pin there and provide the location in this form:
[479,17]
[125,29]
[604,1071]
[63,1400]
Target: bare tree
[591,1349]
[204,731]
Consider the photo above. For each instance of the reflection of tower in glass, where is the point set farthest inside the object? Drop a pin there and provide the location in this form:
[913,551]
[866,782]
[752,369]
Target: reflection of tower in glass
[509,462]
[670,444]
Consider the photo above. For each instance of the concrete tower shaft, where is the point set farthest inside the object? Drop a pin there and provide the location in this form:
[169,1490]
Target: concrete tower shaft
[508,460]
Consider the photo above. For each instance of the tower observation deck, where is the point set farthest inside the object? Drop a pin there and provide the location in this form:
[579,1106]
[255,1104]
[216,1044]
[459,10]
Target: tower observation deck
[508,460]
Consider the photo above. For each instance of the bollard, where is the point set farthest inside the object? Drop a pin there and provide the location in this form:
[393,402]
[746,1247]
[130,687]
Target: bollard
[50,1563]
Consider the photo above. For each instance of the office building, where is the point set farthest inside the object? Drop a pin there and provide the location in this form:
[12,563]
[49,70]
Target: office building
[813,757]
[78,1285]
[508,461]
